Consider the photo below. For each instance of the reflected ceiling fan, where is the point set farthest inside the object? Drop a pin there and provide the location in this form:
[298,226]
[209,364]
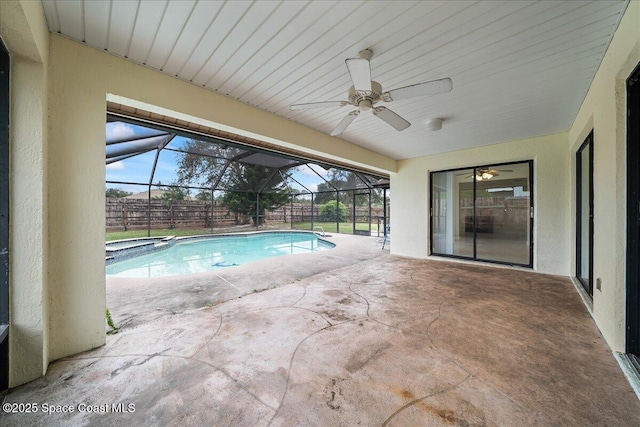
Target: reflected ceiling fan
[365,93]
[483,174]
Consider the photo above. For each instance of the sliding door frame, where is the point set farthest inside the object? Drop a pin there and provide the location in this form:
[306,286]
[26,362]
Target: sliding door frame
[632,344]
[474,257]
[586,145]
[5,69]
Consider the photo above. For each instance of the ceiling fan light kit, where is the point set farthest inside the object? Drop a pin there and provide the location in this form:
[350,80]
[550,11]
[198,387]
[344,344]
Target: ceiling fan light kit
[484,174]
[365,94]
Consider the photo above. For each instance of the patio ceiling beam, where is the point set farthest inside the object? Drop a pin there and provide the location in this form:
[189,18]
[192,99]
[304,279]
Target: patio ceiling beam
[359,175]
[299,183]
[269,178]
[293,165]
[159,141]
[322,177]
[284,178]
[136,138]
[226,166]
[124,157]
[155,162]
[176,150]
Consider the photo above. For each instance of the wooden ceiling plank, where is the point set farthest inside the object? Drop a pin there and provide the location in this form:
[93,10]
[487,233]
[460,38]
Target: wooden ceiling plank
[123,15]
[173,22]
[149,18]
[193,35]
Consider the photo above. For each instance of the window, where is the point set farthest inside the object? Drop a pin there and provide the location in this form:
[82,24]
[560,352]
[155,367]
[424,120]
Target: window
[483,213]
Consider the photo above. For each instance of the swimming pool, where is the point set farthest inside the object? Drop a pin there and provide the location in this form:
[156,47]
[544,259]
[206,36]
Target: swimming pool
[196,255]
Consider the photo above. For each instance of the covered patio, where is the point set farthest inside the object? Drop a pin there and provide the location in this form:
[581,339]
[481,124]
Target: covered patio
[534,142]
[351,337]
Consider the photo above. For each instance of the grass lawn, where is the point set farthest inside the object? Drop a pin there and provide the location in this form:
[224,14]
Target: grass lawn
[131,234]
[329,227]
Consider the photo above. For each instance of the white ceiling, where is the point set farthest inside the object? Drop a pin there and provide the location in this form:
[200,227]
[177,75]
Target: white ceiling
[519,68]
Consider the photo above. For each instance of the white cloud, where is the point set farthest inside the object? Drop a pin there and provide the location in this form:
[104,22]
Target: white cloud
[115,166]
[119,130]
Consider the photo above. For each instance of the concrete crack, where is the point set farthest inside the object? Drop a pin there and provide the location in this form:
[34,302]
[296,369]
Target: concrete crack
[293,355]
[130,364]
[206,344]
[304,293]
[413,402]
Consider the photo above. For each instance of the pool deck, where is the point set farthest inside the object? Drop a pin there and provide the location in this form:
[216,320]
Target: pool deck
[346,337]
[156,297]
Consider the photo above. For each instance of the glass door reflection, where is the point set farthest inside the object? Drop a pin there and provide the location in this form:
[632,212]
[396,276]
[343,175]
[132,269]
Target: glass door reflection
[503,214]
[452,201]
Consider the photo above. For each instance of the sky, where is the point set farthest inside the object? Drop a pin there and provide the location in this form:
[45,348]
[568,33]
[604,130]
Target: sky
[138,168]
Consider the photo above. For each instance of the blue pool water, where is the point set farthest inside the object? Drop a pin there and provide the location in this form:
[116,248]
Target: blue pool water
[196,256]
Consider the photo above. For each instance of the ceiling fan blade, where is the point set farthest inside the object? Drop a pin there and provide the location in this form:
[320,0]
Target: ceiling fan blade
[345,122]
[421,89]
[310,105]
[391,118]
[360,71]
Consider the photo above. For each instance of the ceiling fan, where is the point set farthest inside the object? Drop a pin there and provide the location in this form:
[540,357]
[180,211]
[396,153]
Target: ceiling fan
[365,93]
[485,174]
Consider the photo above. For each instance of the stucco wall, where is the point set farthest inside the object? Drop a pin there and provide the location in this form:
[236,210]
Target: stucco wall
[410,189]
[23,29]
[604,111]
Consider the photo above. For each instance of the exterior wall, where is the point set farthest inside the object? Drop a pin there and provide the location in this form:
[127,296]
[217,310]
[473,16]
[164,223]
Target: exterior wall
[23,29]
[410,189]
[604,111]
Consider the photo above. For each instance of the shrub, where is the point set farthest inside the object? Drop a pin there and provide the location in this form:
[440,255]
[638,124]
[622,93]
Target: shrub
[330,213]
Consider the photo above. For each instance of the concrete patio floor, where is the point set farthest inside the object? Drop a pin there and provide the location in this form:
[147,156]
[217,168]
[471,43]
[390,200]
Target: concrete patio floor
[347,337]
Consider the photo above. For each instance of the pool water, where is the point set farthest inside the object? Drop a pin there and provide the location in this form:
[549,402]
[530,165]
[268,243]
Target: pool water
[196,256]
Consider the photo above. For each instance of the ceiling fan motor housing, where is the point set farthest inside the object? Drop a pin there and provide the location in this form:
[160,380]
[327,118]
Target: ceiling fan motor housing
[365,99]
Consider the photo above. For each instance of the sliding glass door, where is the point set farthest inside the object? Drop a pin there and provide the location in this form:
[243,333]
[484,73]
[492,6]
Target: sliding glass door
[449,235]
[483,213]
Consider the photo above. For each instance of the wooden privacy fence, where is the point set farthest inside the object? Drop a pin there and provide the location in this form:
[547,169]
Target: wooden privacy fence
[133,214]
[496,214]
